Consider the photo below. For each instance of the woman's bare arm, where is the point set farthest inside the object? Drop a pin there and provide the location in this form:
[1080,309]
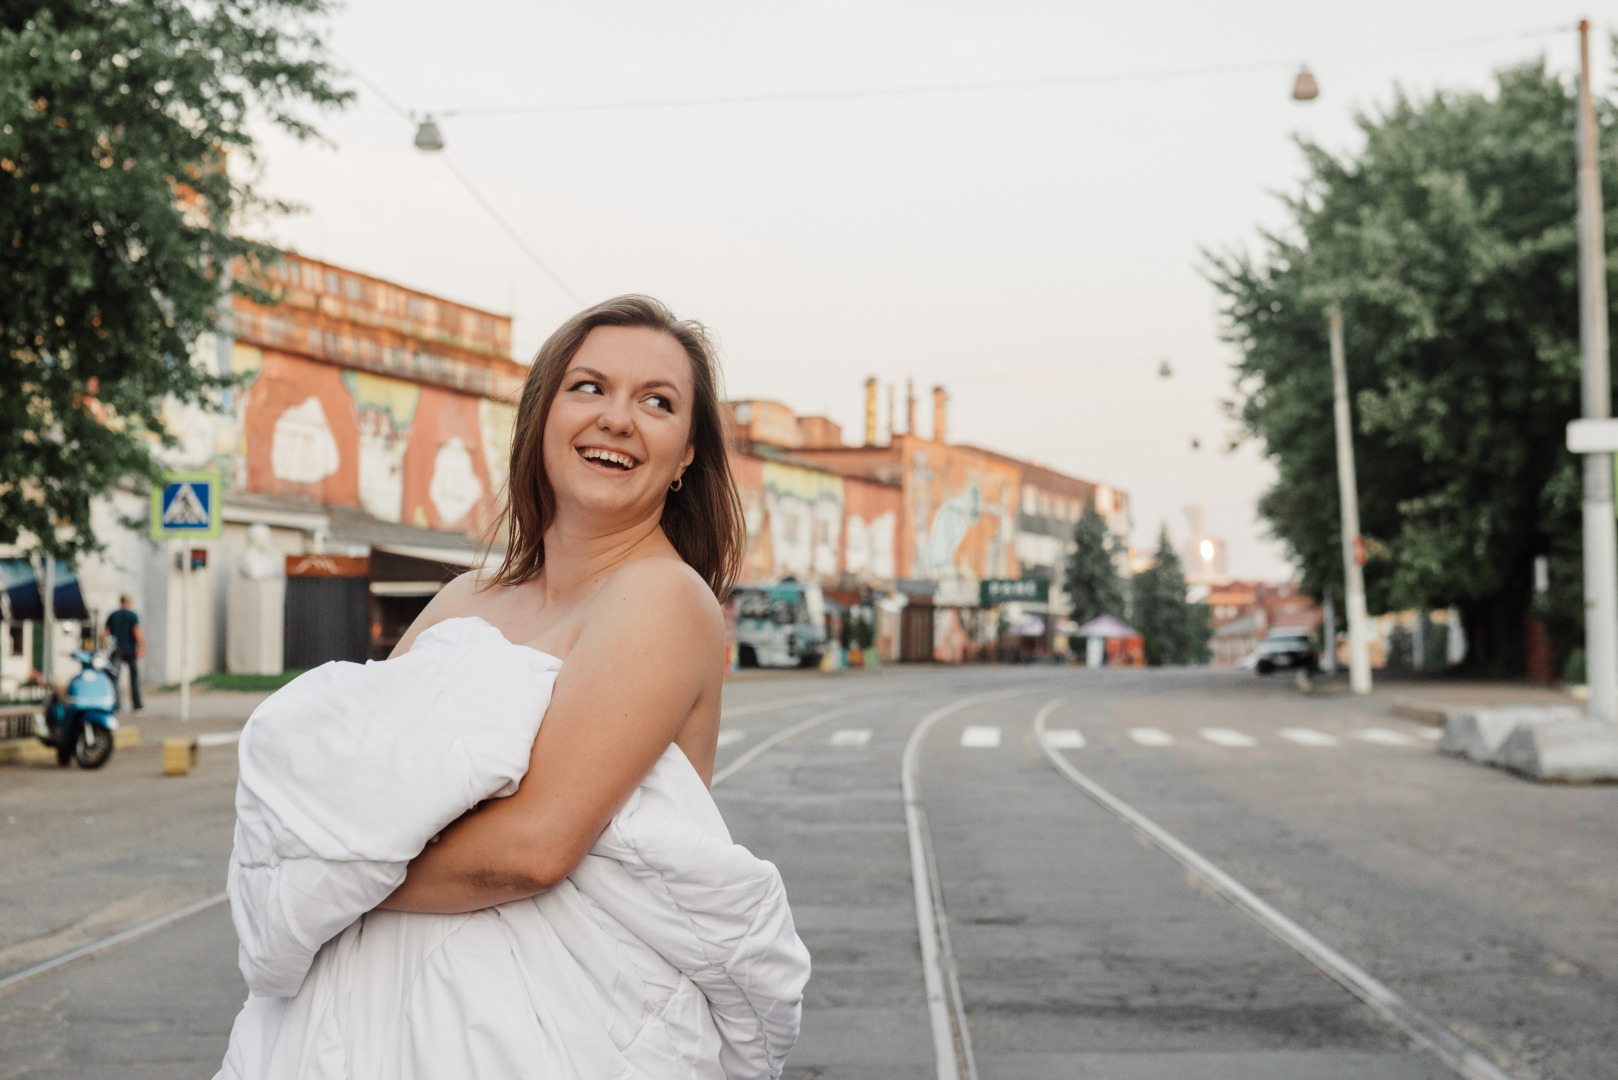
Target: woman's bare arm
[651,644]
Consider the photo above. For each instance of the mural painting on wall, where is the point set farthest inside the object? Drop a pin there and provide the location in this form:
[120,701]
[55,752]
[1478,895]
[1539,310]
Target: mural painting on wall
[870,522]
[402,452]
[962,516]
[804,511]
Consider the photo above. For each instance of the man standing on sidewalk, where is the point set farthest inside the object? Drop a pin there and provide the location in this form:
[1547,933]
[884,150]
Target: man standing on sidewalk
[128,645]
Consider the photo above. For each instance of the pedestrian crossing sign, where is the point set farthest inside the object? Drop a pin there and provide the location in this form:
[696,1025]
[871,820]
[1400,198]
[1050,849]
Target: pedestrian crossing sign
[186,504]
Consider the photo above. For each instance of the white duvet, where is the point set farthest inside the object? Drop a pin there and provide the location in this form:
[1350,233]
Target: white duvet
[670,952]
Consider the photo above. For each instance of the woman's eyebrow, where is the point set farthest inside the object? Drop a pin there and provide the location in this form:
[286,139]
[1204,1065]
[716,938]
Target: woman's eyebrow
[591,373]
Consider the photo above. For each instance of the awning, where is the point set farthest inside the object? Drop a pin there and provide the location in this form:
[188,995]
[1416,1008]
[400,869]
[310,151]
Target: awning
[468,557]
[1105,626]
[22,592]
[1028,626]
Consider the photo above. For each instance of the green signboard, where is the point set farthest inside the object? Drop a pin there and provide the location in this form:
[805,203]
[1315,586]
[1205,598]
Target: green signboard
[993,591]
[186,504]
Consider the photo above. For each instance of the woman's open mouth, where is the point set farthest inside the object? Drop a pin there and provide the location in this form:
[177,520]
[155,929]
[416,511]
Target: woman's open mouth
[610,459]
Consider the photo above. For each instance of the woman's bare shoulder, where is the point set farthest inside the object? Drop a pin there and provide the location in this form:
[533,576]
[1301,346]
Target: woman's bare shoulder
[662,592]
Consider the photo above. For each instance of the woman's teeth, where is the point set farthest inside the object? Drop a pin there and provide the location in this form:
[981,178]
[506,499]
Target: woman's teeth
[609,457]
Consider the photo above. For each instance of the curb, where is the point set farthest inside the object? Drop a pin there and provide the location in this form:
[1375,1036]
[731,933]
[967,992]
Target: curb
[31,751]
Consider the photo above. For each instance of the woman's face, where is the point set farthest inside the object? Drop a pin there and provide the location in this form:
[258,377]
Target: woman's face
[619,428]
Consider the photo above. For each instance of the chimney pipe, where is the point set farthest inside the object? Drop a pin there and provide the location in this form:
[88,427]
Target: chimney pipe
[870,411]
[892,416]
[910,406]
[940,400]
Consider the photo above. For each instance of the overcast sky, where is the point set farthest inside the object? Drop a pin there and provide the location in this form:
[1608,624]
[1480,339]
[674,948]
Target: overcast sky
[1035,250]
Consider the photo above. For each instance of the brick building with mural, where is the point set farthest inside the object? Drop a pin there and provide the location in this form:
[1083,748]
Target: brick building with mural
[363,451]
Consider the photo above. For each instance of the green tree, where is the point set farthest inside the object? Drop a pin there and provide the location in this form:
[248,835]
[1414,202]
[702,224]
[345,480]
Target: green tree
[1449,243]
[117,123]
[1092,571]
[1176,631]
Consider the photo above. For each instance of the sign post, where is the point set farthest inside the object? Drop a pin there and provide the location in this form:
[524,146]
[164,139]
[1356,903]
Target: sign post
[185,507]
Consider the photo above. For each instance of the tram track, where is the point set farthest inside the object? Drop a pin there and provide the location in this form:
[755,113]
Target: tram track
[1429,1034]
[197,907]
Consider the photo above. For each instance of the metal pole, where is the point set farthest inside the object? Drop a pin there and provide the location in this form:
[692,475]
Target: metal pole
[1600,529]
[47,625]
[1359,662]
[185,634]
[1328,636]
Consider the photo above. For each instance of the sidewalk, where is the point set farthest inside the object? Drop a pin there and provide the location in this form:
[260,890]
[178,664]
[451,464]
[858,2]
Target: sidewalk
[212,712]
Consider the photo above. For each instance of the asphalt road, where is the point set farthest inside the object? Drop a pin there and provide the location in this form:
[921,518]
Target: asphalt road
[1082,951]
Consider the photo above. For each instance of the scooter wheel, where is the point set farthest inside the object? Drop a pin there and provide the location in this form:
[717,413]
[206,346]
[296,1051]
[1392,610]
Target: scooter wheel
[93,755]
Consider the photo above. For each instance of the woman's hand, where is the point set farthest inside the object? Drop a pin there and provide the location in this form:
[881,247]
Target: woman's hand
[649,654]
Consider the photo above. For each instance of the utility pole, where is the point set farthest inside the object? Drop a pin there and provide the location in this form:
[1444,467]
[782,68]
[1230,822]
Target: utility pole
[1600,529]
[1359,661]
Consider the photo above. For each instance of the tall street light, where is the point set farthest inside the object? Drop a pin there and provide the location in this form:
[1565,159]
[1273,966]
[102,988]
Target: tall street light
[1596,435]
[1359,660]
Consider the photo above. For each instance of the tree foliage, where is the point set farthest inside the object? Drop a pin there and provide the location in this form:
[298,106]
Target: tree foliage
[1176,631]
[1449,242]
[117,122]
[1092,569]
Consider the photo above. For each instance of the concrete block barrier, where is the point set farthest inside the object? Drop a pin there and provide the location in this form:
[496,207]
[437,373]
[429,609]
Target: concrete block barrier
[1478,734]
[1569,751]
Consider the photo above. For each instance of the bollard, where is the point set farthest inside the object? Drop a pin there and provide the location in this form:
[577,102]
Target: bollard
[179,756]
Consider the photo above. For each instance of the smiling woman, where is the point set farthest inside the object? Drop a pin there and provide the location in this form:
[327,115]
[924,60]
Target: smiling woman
[704,523]
[495,854]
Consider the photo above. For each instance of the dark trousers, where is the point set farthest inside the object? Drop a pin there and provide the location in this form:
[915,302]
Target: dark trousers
[127,660]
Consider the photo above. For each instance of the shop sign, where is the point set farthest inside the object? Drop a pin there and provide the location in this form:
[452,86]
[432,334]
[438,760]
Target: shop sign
[344,566]
[994,591]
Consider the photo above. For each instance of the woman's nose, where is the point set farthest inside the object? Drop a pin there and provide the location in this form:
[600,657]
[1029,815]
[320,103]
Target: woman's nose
[617,417]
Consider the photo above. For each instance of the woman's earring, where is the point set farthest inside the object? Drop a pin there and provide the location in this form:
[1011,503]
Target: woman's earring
[679,481]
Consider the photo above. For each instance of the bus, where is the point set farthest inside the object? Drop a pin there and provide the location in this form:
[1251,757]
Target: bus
[780,624]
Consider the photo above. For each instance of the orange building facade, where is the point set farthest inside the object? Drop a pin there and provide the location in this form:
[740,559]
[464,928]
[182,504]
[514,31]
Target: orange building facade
[361,393]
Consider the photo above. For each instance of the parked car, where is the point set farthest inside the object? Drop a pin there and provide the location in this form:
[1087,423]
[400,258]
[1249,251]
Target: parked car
[1286,647]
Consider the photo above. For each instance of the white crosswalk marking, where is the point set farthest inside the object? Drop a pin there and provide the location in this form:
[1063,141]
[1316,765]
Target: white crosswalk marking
[981,738]
[850,737]
[731,737]
[1228,737]
[1308,736]
[1433,733]
[219,738]
[1151,736]
[1065,738]
[1384,737]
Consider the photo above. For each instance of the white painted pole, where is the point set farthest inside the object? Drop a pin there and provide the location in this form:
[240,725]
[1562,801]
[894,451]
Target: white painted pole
[185,632]
[1328,636]
[1600,529]
[1359,661]
[47,624]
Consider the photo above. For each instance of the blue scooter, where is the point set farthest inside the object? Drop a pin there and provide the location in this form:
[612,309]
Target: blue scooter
[81,725]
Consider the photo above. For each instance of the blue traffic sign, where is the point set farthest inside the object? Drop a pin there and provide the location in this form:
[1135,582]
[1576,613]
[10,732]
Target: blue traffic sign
[186,504]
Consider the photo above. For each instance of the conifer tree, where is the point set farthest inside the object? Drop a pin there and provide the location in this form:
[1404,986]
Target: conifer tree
[1176,631]
[1092,572]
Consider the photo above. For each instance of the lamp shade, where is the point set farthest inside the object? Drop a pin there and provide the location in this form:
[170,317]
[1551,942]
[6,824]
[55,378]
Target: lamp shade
[428,137]
[1305,89]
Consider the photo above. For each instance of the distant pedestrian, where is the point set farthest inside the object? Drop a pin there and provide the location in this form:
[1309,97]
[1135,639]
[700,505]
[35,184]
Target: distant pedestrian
[128,645]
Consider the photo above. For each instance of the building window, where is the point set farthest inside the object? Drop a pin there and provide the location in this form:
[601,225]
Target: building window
[352,288]
[414,308]
[16,629]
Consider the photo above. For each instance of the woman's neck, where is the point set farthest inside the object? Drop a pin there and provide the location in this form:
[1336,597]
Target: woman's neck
[578,558]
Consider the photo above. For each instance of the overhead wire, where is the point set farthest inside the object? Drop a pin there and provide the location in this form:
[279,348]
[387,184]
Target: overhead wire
[466,182]
[981,86]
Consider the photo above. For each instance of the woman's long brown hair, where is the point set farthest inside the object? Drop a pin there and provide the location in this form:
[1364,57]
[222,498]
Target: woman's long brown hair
[703,520]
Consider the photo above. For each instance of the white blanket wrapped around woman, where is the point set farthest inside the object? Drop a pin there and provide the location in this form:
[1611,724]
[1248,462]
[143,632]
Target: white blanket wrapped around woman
[669,952]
